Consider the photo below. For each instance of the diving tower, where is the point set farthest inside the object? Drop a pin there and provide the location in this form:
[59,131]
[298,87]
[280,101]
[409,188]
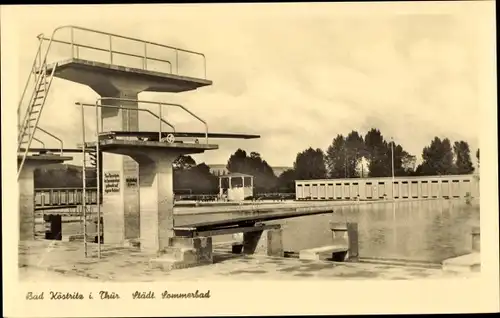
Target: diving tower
[137,173]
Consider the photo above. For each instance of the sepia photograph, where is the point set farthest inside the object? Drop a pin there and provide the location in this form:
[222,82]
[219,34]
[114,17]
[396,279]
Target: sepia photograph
[298,143]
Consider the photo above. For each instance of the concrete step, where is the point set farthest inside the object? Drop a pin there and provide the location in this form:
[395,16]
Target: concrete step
[78,237]
[181,254]
[463,264]
[322,253]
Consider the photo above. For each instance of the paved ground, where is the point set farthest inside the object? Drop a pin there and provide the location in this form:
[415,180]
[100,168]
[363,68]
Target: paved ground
[63,261]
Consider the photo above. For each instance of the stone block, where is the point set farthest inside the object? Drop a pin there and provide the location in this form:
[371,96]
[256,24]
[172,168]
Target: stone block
[476,239]
[324,252]
[346,234]
[463,264]
[184,252]
[266,242]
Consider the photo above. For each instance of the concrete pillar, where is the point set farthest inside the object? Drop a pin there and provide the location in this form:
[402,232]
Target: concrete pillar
[476,239]
[157,199]
[267,242]
[120,204]
[346,234]
[220,188]
[26,186]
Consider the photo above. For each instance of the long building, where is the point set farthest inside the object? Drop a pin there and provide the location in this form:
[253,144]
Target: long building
[454,186]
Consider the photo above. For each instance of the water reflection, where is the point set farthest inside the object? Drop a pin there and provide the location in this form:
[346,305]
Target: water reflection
[430,230]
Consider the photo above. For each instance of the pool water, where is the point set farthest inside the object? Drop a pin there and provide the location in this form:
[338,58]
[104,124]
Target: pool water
[425,230]
[428,230]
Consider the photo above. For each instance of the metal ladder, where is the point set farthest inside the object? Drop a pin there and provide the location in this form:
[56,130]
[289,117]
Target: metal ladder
[37,100]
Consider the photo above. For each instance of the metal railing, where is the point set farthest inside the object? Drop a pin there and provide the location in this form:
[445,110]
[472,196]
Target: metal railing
[39,141]
[50,197]
[159,117]
[33,69]
[160,105]
[61,149]
[75,48]
[53,136]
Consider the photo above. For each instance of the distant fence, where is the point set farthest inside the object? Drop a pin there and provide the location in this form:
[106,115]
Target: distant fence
[50,197]
[63,196]
[215,197]
[196,197]
[455,186]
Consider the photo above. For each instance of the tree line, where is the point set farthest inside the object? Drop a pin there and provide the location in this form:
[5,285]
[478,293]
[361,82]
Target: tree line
[349,156]
[355,156]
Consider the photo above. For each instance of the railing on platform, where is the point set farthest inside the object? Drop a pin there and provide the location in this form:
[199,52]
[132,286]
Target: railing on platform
[49,197]
[99,119]
[111,52]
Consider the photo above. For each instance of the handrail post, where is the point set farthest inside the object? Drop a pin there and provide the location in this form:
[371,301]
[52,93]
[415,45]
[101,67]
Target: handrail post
[110,50]
[145,56]
[84,193]
[177,62]
[72,43]
[98,179]
[39,53]
[159,121]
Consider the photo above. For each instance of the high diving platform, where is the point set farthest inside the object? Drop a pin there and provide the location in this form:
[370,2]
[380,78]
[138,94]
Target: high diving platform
[96,75]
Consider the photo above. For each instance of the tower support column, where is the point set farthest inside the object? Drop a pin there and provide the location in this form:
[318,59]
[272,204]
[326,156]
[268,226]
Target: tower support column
[120,173]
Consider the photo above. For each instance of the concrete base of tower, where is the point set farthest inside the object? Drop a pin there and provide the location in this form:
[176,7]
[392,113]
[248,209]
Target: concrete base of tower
[26,184]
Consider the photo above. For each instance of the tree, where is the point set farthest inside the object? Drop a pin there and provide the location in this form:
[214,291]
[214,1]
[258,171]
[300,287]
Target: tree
[195,177]
[437,158]
[310,164]
[408,164]
[477,156]
[378,153]
[64,176]
[463,162]
[336,158]
[183,163]
[264,177]
[237,161]
[355,151]
[404,163]
[286,181]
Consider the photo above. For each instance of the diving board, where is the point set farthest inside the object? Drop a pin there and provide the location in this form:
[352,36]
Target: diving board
[239,225]
[153,135]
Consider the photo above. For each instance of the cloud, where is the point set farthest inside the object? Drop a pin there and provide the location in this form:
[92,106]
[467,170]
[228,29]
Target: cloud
[300,81]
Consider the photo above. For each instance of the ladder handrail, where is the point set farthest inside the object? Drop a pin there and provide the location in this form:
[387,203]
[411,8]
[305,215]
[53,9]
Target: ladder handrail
[33,67]
[41,142]
[160,104]
[111,35]
[53,136]
[36,122]
[39,78]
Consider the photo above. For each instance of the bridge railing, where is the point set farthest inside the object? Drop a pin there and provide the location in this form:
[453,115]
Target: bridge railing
[63,196]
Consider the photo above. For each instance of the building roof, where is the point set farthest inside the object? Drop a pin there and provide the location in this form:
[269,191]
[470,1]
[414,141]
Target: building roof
[235,174]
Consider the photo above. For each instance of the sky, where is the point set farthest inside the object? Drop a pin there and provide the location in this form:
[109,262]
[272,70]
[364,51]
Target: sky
[297,75]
